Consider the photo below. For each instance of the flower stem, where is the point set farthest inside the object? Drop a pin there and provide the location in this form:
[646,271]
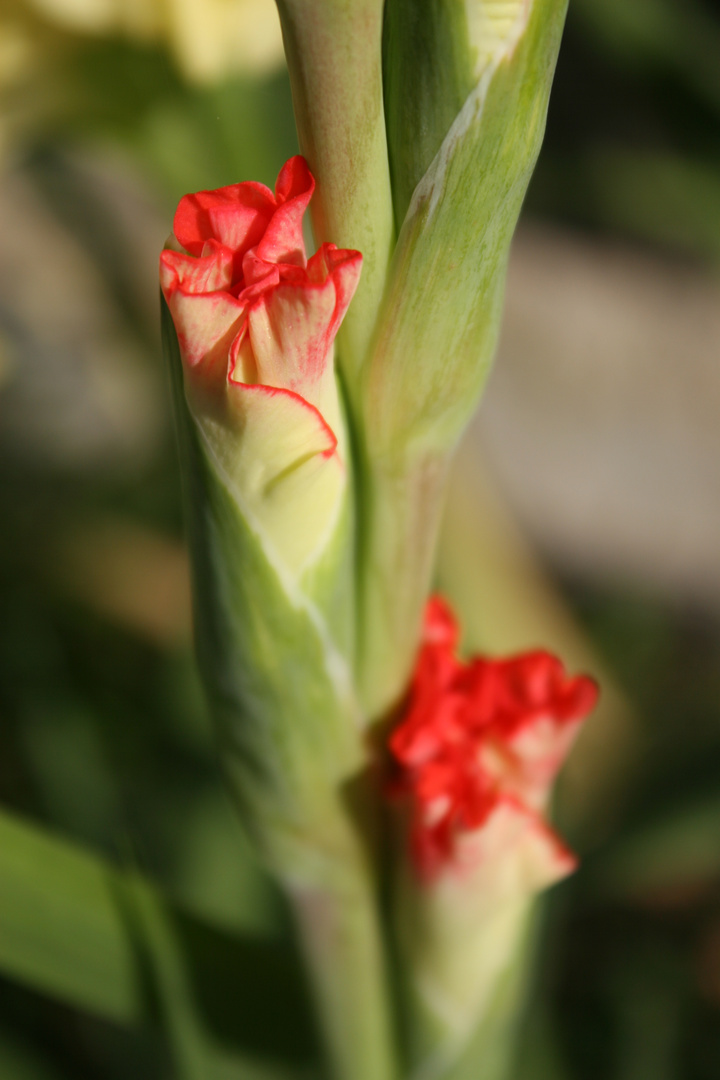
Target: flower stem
[403,505]
[340,937]
[334,53]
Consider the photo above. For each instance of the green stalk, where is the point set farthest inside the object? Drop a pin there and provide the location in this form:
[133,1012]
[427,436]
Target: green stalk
[291,746]
[404,499]
[334,54]
[339,936]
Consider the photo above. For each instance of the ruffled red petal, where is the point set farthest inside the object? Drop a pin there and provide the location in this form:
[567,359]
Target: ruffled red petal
[248,215]
[236,215]
[475,734]
[244,268]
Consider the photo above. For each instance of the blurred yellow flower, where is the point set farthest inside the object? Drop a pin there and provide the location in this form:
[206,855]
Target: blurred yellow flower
[209,38]
[23,47]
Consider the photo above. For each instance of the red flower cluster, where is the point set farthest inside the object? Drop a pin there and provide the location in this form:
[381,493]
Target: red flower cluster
[479,737]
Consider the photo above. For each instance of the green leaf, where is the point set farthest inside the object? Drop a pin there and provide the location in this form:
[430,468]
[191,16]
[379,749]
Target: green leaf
[69,928]
[63,930]
[440,322]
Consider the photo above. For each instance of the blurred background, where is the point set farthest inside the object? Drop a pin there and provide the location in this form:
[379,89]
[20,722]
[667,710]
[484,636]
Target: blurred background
[584,514]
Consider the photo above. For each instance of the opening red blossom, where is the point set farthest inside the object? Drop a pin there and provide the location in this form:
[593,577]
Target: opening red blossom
[478,737]
[248,306]
[255,322]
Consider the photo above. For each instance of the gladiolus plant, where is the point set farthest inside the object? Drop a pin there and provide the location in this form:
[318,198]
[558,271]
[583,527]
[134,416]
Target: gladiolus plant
[397,792]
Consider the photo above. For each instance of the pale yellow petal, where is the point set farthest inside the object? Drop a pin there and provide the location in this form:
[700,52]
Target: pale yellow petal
[216,38]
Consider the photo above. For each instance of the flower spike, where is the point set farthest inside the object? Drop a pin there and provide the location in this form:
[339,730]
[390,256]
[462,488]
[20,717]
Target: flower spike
[473,761]
[249,324]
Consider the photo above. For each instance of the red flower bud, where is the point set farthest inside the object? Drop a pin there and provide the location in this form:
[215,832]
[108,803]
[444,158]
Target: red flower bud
[255,323]
[479,739]
[248,307]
